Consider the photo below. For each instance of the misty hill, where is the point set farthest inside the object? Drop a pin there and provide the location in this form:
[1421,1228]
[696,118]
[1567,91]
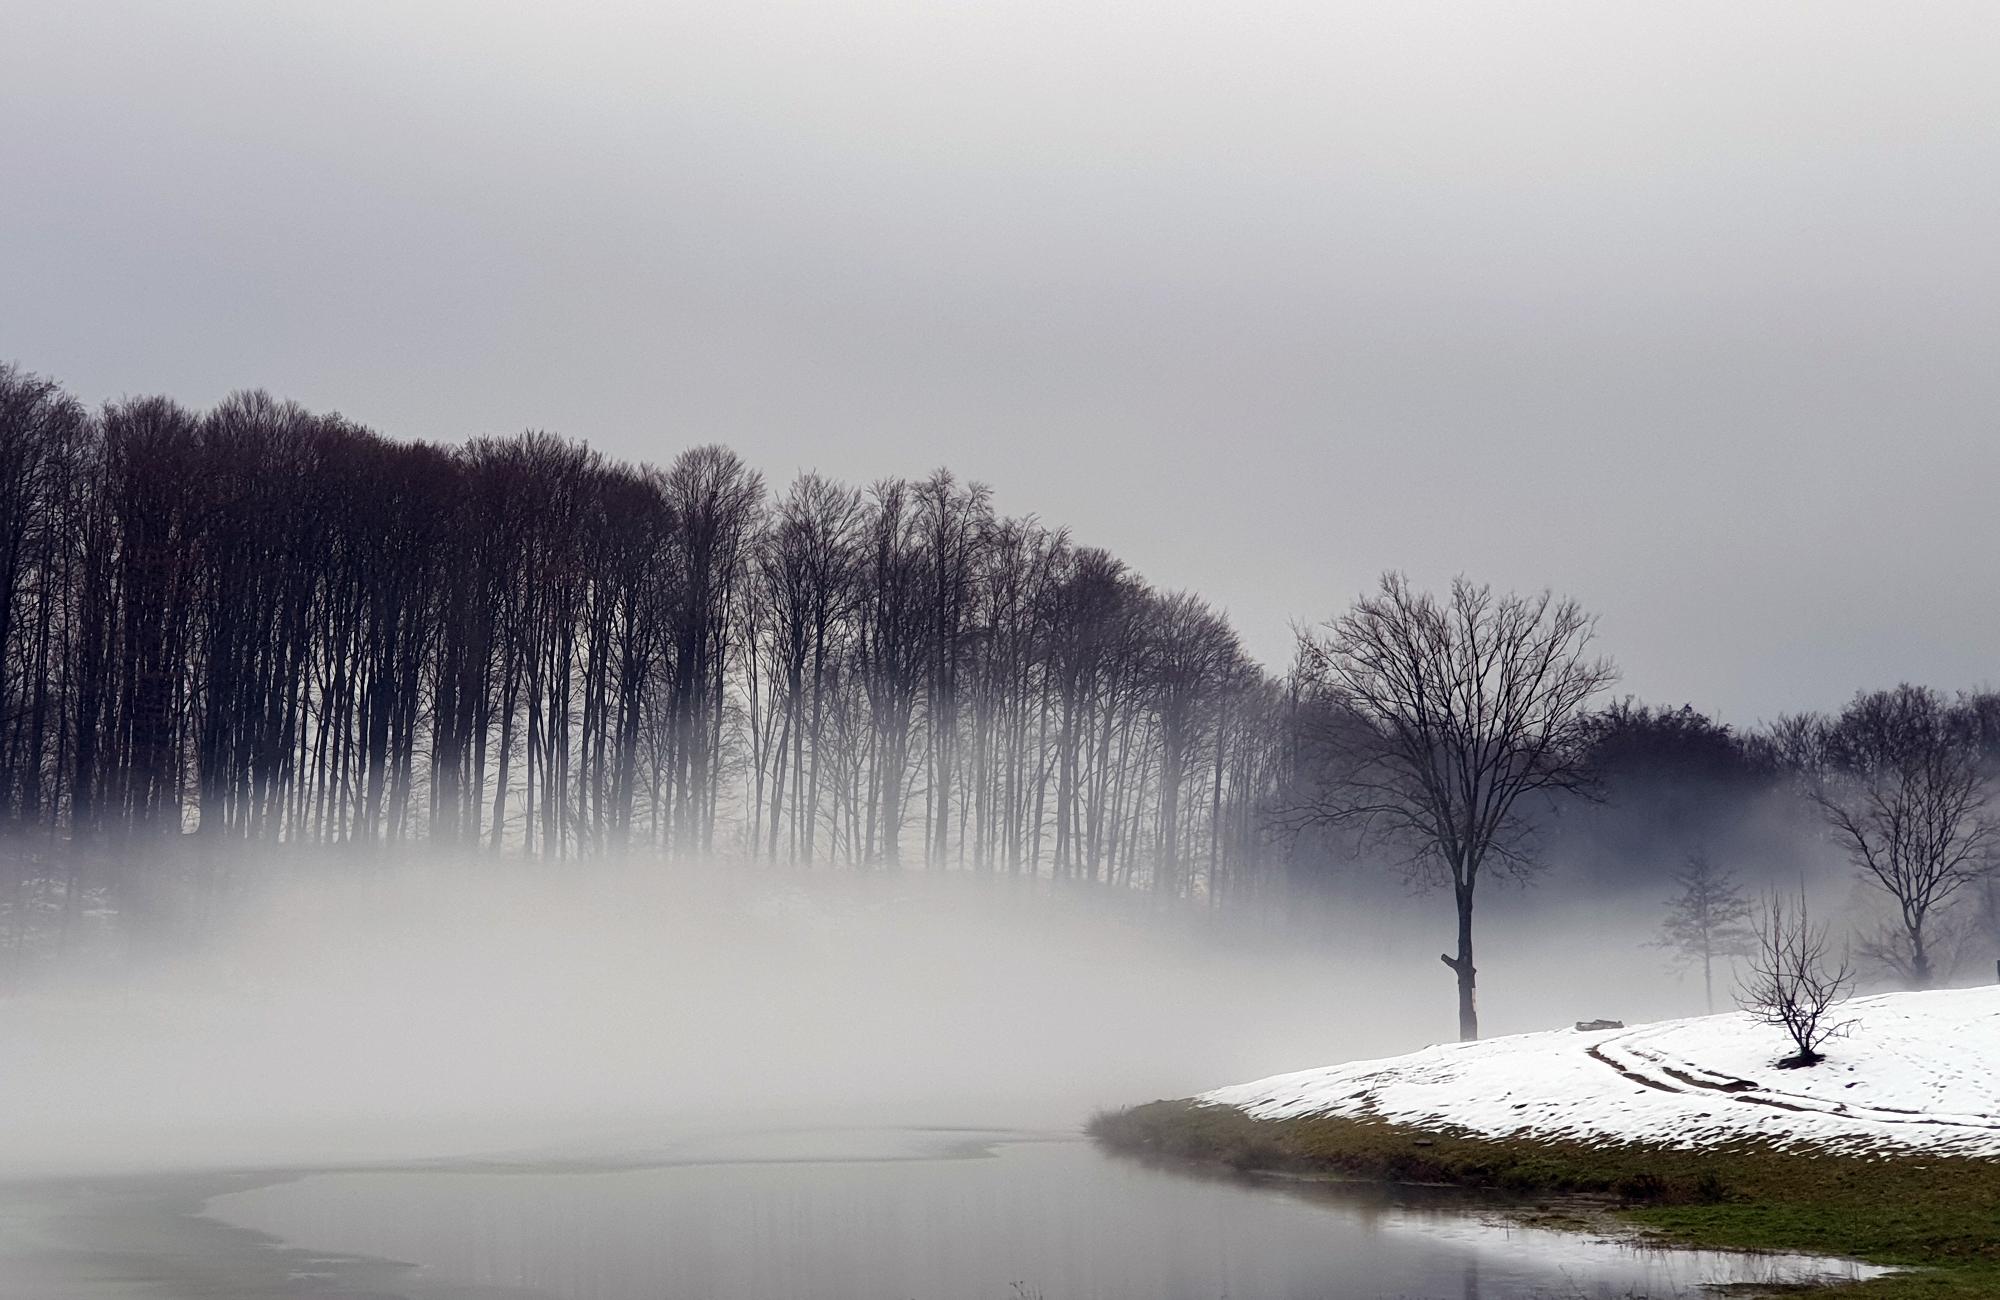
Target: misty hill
[1915,1071]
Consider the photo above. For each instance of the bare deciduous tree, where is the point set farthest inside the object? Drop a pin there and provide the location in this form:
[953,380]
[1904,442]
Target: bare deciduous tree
[1707,919]
[1793,982]
[1905,794]
[1458,713]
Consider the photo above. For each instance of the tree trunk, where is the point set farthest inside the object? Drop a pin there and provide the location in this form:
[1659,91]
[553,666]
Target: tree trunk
[1920,957]
[1461,966]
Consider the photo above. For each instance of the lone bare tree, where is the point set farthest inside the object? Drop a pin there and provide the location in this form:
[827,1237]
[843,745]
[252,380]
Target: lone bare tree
[1707,919]
[1449,718]
[1793,982]
[1905,793]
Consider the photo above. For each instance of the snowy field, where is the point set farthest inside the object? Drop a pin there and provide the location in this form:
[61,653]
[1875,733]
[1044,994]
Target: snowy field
[1914,1071]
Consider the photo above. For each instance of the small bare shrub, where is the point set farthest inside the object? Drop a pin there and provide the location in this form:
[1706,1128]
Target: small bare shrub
[1792,981]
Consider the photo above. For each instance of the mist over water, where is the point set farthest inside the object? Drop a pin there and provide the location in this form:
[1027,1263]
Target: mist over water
[431,1010]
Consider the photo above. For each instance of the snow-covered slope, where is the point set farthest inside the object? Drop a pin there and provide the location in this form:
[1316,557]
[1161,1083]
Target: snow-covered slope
[1914,1071]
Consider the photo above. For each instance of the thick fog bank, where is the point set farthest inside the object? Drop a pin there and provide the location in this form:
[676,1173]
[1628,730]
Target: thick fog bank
[426,1012]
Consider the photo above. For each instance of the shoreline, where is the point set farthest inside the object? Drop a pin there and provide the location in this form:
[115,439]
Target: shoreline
[1933,1219]
[100,1236]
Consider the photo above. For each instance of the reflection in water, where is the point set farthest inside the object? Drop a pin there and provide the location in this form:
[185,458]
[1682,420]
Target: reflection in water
[1056,1219]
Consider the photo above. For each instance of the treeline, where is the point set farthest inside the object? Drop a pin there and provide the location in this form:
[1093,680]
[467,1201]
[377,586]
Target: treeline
[259,624]
[1456,730]
[1670,782]
[1888,806]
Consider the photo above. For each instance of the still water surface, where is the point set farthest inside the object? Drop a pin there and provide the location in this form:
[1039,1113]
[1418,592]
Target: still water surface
[916,1215]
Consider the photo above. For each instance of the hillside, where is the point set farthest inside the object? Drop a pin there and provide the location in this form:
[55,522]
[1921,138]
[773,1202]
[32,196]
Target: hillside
[1913,1072]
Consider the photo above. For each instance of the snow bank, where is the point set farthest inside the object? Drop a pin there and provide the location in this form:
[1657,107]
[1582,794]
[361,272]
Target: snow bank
[1915,1071]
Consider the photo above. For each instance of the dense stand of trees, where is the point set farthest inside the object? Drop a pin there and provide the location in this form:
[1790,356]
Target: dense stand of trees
[261,624]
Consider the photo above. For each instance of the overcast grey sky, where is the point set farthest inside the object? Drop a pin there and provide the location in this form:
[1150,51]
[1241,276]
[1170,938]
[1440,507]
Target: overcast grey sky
[1689,310]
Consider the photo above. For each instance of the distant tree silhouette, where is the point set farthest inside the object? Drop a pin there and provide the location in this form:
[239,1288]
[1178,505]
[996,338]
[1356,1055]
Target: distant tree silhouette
[1904,789]
[1673,782]
[1707,919]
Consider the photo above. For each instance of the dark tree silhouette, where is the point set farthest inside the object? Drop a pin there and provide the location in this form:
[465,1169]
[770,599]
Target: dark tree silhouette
[1449,719]
[1673,782]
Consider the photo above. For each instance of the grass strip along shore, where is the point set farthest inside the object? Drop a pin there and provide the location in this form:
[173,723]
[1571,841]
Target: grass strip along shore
[1936,1217]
